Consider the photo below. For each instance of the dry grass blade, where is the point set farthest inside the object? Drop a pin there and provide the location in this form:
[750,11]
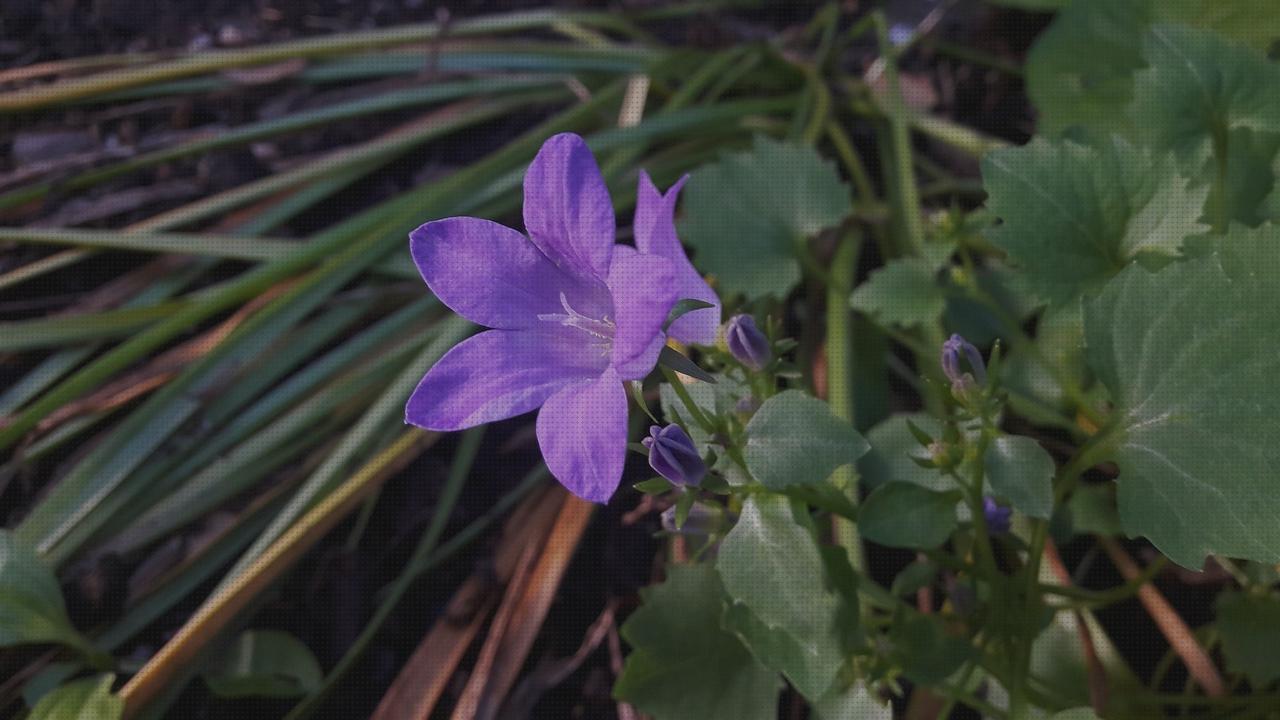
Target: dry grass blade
[425,676]
[1098,686]
[1199,664]
[219,610]
[523,610]
[160,370]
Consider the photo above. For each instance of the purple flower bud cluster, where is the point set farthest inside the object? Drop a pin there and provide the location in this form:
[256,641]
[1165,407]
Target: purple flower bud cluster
[746,343]
[673,455]
[997,516]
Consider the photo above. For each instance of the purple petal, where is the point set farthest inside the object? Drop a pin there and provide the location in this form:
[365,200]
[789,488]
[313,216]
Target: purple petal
[496,375]
[567,210]
[582,431]
[655,232]
[643,289]
[491,274]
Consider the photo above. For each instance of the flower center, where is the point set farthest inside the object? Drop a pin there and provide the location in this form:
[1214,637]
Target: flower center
[602,329]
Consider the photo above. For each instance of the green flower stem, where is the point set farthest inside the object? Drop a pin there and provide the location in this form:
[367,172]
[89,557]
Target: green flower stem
[1081,598]
[683,393]
[1088,455]
[904,198]
[840,378]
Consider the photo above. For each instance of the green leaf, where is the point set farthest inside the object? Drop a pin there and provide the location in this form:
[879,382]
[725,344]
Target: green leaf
[794,439]
[1247,21]
[1250,628]
[749,214]
[1093,510]
[682,665]
[856,703]
[1200,84]
[88,699]
[31,605]
[1189,356]
[1250,177]
[1020,471]
[670,358]
[682,308]
[925,651]
[654,486]
[913,577]
[1080,72]
[905,515]
[771,568]
[1075,215]
[1080,713]
[902,293]
[893,446]
[264,663]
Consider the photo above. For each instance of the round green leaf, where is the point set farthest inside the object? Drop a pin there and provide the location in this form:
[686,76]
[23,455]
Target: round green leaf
[265,663]
[683,666]
[31,605]
[1020,471]
[1189,356]
[904,515]
[88,699]
[902,293]
[771,568]
[795,439]
[1250,628]
[748,214]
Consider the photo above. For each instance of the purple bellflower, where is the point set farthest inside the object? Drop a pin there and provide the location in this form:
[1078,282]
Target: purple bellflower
[673,455]
[572,315]
[997,516]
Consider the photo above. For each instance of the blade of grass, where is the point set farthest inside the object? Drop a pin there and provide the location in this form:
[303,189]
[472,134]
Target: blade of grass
[210,487]
[364,433]
[244,245]
[66,508]
[224,604]
[252,132]
[463,459]
[366,157]
[207,62]
[425,676]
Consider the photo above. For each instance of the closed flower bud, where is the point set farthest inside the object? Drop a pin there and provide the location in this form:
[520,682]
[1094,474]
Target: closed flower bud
[997,517]
[746,342]
[673,455]
[952,349]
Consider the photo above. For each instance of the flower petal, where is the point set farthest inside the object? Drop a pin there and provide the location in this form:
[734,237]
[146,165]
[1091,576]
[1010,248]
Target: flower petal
[567,210]
[655,232]
[582,431]
[643,289]
[496,375]
[491,274]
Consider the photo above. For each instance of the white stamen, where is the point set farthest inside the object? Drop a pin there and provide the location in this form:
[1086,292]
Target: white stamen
[602,328]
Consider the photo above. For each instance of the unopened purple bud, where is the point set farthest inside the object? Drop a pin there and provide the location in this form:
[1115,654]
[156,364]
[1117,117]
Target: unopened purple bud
[997,517]
[673,455]
[951,350]
[746,342]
